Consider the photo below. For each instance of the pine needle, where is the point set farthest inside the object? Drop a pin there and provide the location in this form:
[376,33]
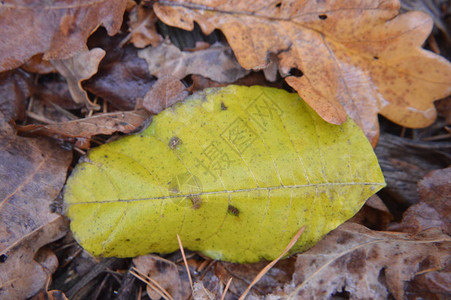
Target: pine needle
[271,264]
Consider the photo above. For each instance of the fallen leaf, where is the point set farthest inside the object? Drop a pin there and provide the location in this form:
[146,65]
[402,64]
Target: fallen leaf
[55,90]
[37,65]
[167,274]
[431,7]
[15,87]
[434,208]
[356,57]
[123,77]
[217,62]
[243,274]
[142,26]
[164,93]
[404,162]
[59,29]
[236,172]
[366,264]
[125,121]
[33,173]
[78,68]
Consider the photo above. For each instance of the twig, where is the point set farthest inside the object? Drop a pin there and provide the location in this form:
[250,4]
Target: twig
[271,264]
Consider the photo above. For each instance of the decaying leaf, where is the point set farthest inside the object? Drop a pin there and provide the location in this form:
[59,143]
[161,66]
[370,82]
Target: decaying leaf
[356,57]
[15,87]
[235,171]
[169,276]
[367,264]
[434,209]
[33,172]
[123,77]
[142,26]
[78,68]
[59,29]
[126,122]
[217,62]
[164,93]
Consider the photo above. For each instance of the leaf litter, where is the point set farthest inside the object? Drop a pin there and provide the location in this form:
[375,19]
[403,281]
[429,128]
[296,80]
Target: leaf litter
[123,80]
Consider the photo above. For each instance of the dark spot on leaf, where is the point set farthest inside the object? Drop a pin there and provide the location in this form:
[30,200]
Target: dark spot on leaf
[173,142]
[279,4]
[196,202]
[106,156]
[198,240]
[161,266]
[344,238]
[233,210]
[127,240]
[375,57]
[3,258]
[123,123]
[223,107]
[356,263]
[295,72]
[322,17]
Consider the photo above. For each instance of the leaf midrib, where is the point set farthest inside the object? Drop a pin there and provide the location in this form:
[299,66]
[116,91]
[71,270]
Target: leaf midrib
[234,191]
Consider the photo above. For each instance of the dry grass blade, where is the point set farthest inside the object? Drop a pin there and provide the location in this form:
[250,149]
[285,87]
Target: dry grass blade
[271,264]
[151,283]
[186,263]
[226,288]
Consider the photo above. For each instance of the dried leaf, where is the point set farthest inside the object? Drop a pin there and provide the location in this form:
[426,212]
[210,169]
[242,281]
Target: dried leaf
[166,273]
[33,173]
[431,7]
[357,57]
[434,209]
[367,264]
[123,77]
[78,68]
[15,87]
[142,25]
[59,29]
[164,93]
[235,171]
[126,122]
[217,62]
[37,65]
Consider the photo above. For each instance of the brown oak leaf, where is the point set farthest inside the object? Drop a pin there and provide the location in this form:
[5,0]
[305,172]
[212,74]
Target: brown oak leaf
[365,263]
[143,31]
[59,29]
[356,57]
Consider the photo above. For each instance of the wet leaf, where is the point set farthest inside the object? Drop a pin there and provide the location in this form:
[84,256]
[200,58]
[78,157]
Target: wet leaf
[355,57]
[367,264]
[33,173]
[59,29]
[123,77]
[15,87]
[217,62]
[234,171]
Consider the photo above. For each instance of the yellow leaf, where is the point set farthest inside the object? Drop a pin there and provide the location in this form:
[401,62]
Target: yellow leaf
[235,171]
